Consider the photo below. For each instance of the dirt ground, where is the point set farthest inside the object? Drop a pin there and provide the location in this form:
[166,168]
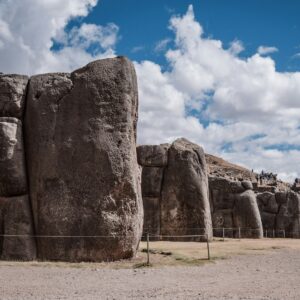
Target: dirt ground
[245,269]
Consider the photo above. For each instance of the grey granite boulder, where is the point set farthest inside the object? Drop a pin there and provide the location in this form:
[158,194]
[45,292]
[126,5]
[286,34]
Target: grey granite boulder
[247,185]
[151,215]
[246,215]
[288,217]
[185,206]
[152,181]
[223,192]
[153,155]
[12,95]
[82,164]
[16,219]
[12,162]
[267,202]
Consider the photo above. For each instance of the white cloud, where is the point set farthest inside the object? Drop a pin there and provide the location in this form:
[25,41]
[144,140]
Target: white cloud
[28,29]
[137,49]
[236,47]
[297,55]
[243,103]
[264,50]
[162,45]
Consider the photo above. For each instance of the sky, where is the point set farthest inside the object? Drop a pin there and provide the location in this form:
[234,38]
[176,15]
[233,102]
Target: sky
[223,74]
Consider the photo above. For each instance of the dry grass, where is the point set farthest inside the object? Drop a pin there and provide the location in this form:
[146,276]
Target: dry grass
[179,253]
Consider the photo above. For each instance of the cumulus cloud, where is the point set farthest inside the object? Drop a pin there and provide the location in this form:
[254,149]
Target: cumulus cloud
[30,28]
[264,50]
[234,107]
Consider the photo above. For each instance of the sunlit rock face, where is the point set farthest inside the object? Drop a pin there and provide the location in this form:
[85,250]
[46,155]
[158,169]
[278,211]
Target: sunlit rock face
[175,189]
[79,151]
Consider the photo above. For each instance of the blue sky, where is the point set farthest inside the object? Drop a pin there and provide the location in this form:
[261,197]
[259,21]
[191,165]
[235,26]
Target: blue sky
[224,74]
[256,22]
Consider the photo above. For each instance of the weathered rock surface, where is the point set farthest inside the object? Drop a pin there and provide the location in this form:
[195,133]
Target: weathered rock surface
[151,215]
[82,164]
[153,155]
[15,210]
[234,206]
[267,202]
[152,181]
[184,203]
[246,215]
[16,220]
[12,95]
[175,189]
[12,163]
[223,192]
[288,217]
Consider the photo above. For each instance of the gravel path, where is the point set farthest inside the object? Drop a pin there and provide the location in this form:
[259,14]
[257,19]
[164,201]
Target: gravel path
[275,275]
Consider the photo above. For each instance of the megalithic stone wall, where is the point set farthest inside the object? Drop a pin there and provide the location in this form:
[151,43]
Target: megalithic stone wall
[83,177]
[234,206]
[175,189]
[15,210]
[280,212]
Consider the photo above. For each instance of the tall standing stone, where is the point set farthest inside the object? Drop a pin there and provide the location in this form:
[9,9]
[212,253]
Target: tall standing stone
[185,208]
[246,215]
[82,164]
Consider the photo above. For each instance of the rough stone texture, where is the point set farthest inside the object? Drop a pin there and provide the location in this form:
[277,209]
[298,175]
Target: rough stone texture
[184,203]
[15,210]
[16,219]
[12,95]
[153,155]
[223,192]
[12,164]
[151,215]
[268,220]
[281,197]
[246,215]
[234,205]
[288,217]
[152,181]
[223,219]
[247,185]
[82,164]
[267,202]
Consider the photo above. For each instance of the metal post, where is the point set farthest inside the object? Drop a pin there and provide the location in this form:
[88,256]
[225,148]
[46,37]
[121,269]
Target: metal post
[284,233]
[239,232]
[223,234]
[148,254]
[208,251]
[273,233]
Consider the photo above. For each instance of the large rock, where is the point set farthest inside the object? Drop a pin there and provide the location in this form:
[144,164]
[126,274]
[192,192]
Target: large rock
[151,215]
[288,217]
[12,163]
[223,192]
[234,208]
[12,95]
[152,181]
[82,164]
[246,215]
[223,219]
[185,206]
[153,155]
[16,219]
[267,202]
